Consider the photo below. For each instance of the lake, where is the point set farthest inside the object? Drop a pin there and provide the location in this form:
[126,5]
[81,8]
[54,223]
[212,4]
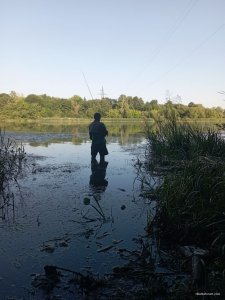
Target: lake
[62,215]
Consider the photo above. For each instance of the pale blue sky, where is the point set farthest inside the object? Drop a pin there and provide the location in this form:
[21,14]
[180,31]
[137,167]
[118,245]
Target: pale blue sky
[148,48]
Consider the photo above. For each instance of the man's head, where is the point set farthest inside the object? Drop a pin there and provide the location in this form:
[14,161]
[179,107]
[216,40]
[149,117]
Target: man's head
[97,116]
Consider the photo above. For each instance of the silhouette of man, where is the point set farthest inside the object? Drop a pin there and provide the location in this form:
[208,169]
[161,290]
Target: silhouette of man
[97,133]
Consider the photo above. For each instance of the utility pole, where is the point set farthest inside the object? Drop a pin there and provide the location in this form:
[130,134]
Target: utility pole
[102,93]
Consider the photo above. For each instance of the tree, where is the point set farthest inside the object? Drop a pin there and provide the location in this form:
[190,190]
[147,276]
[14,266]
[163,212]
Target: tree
[76,102]
[113,113]
[123,106]
[4,99]
[135,103]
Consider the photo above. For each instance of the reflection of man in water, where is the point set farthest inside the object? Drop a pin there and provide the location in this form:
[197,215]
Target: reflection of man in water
[97,178]
[97,133]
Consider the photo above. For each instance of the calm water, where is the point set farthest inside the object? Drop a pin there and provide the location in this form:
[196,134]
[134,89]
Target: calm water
[53,223]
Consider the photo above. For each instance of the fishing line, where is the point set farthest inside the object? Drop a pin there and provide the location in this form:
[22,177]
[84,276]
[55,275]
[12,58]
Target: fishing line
[87,85]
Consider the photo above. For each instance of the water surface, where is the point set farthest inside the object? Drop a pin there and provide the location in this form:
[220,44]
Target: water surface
[54,222]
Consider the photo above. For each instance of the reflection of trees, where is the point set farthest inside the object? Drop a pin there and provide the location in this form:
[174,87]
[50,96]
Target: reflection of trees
[37,127]
[37,144]
[127,133]
[76,140]
[122,133]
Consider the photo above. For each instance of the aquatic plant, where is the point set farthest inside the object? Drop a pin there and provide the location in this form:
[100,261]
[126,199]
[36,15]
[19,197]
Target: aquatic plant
[12,158]
[191,164]
[96,206]
[170,140]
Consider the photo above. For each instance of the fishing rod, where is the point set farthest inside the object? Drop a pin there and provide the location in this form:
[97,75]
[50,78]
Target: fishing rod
[87,85]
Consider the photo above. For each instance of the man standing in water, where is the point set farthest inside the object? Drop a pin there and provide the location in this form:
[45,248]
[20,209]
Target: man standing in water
[97,133]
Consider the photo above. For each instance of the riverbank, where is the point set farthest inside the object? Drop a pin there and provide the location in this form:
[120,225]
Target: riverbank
[184,171]
[67,120]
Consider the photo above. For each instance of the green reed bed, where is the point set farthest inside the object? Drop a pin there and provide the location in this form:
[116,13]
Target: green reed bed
[12,158]
[171,140]
[190,162]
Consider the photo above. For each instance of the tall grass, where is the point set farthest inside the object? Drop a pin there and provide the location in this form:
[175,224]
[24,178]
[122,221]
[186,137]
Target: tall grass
[191,195]
[12,158]
[183,141]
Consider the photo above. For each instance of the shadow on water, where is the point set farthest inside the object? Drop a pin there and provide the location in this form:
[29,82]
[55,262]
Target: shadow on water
[98,173]
[98,185]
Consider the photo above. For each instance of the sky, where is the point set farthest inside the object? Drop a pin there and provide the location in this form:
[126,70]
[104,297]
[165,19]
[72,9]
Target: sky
[154,49]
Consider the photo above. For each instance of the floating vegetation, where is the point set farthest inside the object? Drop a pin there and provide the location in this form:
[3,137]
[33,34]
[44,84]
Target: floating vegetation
[12,159]
[53,244]
[94,202]
[133,276]
[138,278]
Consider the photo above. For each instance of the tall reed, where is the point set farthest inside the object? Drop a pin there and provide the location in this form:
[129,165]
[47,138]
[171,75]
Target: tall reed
[183,141]
[191,193]
[12,158]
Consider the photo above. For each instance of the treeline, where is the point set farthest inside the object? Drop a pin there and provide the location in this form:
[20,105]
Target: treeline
[14,106]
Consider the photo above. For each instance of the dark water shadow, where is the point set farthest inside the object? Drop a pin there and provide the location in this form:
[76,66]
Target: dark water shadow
[98,183]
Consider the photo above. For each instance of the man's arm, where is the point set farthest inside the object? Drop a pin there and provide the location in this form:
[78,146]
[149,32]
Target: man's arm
[90,133]
[105,130]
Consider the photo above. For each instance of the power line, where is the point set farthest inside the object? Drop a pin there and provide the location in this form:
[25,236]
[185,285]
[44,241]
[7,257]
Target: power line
[222,93]
[189,54]
[167,36]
